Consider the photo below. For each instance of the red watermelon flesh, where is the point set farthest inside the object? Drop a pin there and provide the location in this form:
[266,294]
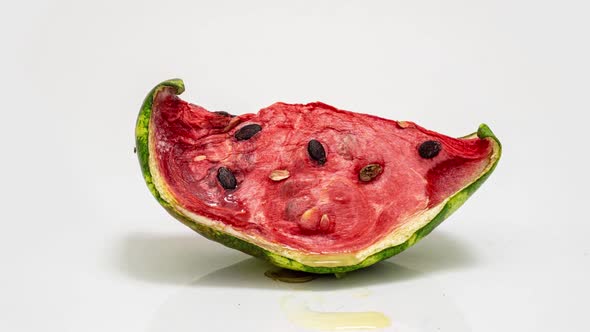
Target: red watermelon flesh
[320,207]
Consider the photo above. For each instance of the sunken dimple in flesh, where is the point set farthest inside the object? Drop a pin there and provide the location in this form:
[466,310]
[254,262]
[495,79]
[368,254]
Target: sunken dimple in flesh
[318,208]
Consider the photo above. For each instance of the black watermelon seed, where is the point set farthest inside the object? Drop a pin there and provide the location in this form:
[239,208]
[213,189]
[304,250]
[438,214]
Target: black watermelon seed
[247,131]
[316,151]
[226,178]
[224,113]
[429,149]
[370,172]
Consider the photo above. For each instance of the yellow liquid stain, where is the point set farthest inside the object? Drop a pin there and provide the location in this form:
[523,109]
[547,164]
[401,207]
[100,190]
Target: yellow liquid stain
[299,314]
[362,293]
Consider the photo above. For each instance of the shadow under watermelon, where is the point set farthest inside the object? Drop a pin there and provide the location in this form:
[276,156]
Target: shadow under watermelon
[190,259]
[440,252]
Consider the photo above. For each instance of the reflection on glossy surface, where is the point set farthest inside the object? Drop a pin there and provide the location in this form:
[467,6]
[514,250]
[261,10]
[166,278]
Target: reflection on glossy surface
[249,273]
[178,259]
[238,297]
[300,314]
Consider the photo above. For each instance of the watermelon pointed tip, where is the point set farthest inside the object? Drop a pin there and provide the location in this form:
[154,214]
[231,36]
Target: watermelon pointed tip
[484,131]
[176,83]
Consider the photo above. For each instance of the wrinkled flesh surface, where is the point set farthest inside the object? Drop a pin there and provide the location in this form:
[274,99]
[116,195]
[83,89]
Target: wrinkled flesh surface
[318,208]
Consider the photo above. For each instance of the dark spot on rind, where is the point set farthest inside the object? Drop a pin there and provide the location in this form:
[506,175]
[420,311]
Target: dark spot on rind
[369,172]
[134,149]
[316,151]
[429,149]
[247,131]
[226,178]
[224,113]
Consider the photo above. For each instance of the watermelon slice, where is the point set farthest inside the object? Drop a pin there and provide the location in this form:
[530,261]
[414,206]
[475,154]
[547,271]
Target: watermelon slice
[306,186]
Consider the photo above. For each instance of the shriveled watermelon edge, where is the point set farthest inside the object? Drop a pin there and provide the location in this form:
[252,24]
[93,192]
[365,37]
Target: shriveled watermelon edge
[142,131]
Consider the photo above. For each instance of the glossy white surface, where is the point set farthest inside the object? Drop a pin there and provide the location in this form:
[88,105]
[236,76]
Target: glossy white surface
[84,247]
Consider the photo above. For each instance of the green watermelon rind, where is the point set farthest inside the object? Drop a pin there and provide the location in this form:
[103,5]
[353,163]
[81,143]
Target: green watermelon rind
[142,131]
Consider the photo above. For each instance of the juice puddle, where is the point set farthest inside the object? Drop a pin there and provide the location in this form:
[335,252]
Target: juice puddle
[290,276]
[301,315]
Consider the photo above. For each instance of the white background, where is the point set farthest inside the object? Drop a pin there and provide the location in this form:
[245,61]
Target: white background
[84,247]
